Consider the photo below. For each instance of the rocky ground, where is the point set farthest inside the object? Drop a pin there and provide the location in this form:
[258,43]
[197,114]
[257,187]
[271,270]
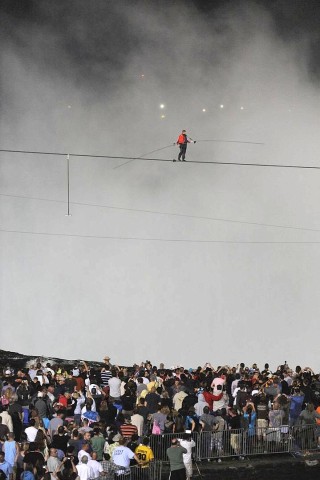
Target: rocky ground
[17,360]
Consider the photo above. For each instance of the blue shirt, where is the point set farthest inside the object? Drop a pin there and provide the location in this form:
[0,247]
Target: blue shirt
[6,468]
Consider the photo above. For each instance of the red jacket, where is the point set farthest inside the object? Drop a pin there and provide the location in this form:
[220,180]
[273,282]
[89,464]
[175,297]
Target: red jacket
[182,139]
[210,398]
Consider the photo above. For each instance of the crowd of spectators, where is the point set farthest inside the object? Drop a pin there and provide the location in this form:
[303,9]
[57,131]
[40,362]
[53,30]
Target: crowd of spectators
[63,423]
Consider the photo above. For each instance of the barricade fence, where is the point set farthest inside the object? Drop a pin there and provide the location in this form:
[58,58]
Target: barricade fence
[243,443]
[151,471]
[305,438]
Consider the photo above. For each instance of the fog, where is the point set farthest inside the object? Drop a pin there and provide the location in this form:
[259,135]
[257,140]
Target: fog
[180,263]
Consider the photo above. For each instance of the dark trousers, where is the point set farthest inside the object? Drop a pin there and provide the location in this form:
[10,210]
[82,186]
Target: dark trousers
[178,474]
[183,149]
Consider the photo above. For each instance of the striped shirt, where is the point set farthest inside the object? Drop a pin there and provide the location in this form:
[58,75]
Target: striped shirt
[105,377]
[127,430]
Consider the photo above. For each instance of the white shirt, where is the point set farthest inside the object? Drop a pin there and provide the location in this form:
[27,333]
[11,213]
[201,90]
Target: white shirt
[122,388]
[80,401]
[187,457]
[178,399]
[234,385]
[138,421]
[48,370]
[32,373]
[236,390]
[122,455]
[114,385]
[31,433]
[51,397]
[82,453]
[95,467]
[93,407]
[289,380]
[43,379]
[53,463]
[7,420]
[84,471]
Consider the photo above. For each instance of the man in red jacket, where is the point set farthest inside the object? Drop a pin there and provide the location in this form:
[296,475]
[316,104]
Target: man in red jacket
[182,142]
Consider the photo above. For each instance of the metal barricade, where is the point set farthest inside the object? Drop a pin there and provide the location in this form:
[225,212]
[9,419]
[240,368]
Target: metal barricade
[304,438]
[267,440]
[160,443]
[152,471]
[226,443]
[242,442]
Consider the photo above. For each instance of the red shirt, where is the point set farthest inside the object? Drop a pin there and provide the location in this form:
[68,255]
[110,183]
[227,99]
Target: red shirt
[80,383]
[63,401]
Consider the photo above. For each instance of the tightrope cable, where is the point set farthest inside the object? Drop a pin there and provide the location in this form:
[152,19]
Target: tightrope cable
[167,240]
[230,141]
[171,214]
[204,162]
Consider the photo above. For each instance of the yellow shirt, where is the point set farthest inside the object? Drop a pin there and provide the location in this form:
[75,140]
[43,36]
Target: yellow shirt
[145,454]
[152,384]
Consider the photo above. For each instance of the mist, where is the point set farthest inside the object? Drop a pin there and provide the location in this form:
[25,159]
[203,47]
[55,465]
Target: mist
[176,263]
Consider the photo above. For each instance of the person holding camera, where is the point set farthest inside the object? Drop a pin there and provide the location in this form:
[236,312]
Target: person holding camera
[175,455]
[67,470]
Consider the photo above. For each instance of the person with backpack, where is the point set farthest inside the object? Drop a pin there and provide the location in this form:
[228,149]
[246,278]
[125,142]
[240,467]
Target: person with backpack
[23,391]
[182,142]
